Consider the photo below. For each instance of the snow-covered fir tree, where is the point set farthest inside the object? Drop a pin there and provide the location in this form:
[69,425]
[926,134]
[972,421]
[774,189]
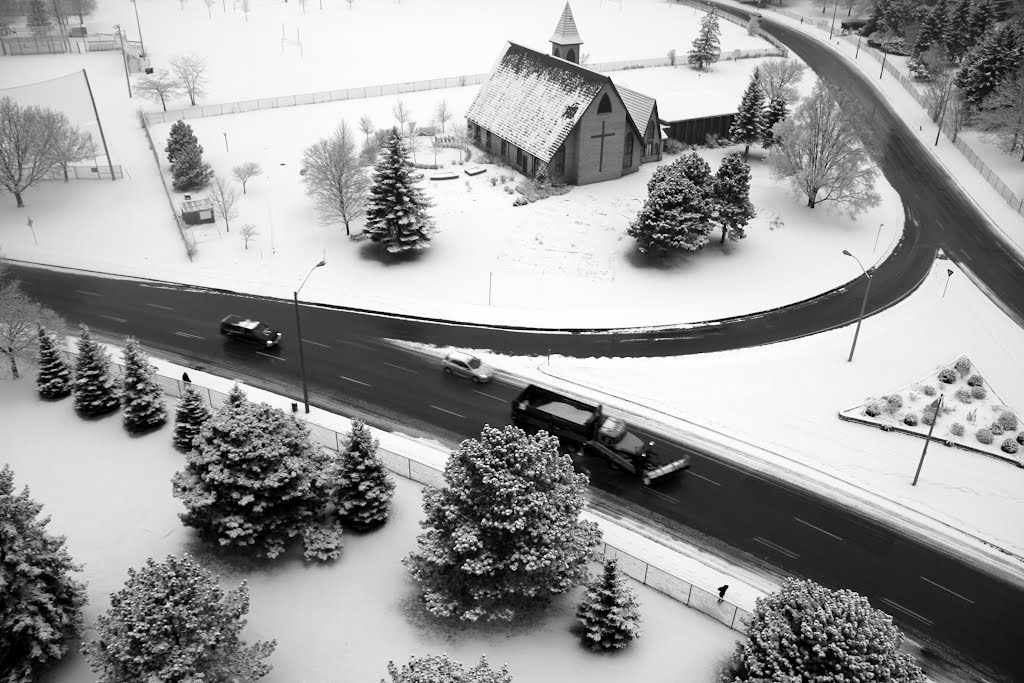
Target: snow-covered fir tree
[142,399]
[190,416]
[254,479]
[788,628]
[732,197]
[506,531]
[172,622]
[54,376]
[999,55]
[933,28]
[181,137]
[236,395]
[983,18]
[674,216]
[776,111]
[396,214]
[364,487]
[957,35]
[443,669]
[189,171]
[95,389]
[748,124]
[609,611]
[706,47]
[694,168]
[40,600]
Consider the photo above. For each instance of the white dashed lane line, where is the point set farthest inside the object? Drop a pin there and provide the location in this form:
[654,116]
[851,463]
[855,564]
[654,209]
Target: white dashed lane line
[310,341]
[190,336]
[269,356]
[776,547]
[82,291]
[166,308]
[906,611]
[699,476]
[490,396]
[947,590]
[110,317]
[448,411]
[818,528]
[354,381]
[399,367]
[661,495]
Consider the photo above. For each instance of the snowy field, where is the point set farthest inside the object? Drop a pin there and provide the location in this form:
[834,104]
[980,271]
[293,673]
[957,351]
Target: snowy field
[334,623]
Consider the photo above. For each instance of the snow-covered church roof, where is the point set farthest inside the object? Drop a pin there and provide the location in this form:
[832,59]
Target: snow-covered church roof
[638,105]
[566,32]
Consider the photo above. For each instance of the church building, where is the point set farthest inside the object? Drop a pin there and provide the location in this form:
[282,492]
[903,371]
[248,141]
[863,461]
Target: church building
[547,111]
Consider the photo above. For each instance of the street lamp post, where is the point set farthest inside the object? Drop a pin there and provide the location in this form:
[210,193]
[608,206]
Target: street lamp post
[884,55]
[142,43]
[124,58]
[863,304]
[298,329]
[833,26]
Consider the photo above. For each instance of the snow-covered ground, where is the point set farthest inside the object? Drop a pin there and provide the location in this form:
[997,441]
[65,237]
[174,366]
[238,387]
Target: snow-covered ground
[337,622]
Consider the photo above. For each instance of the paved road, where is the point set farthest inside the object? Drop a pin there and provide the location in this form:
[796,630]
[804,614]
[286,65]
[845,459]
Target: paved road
[926,590]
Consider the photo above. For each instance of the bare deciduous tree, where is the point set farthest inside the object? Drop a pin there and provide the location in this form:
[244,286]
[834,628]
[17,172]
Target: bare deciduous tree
[20,318]
[1003,114]
[778,79]
[402,114]
[366,126]
[939,90]
[209,7]
[819,148]
[81,8]
[74,146]
[249,231]
[32,142]
[224,197]
[244,4]
[245,172]
[459,133]
[413,143]
[436,146]
[334,178]
[442,114]
[191,73]
[350,3]
[158,86]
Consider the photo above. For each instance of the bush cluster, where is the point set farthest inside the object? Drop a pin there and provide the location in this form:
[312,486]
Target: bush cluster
[956,429]
[1020,438]
[910,420]
[894,401]
[979,392]
[985,436]
[928,390]
[975,380]
[873,408]
[1007,420]
[963,395]
[673,146]
[947,375]
[963,365]
[1010,446]
[928,417]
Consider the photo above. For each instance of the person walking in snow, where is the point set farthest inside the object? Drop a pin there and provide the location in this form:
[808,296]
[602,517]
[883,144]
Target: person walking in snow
[721,593]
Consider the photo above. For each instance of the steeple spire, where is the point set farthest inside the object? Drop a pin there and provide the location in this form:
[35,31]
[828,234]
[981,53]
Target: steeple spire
[566,41]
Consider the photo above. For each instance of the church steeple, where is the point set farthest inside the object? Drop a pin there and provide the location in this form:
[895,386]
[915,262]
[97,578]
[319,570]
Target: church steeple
[566,41]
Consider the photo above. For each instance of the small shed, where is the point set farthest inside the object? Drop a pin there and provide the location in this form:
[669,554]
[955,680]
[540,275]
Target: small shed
[196,211]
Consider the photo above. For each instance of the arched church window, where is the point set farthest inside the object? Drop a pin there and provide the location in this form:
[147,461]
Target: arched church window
[605,105]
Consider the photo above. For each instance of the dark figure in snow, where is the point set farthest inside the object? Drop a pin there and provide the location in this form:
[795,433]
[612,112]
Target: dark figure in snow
[185,379]
[721,593]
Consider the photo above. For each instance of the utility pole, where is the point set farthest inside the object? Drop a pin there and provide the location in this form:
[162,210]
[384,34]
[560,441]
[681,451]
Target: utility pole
[103,138]
[935,418]
[124,59]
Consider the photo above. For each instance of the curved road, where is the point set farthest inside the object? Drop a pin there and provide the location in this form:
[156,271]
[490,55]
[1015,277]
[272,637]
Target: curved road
[927,590]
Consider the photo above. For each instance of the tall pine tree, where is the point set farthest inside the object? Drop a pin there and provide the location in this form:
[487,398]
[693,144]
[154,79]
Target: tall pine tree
[54,378]
[958,30]
[706,48]
[674,216]
[986,66]
[189,171]
[396,215]
[190,416]
[142,399]
[237,395]
[95,388]
[609,611]
[40,600]
[732,195]
[933,28]
[181,137]
[365,488]
[983,18]
[777,111]
[748,124]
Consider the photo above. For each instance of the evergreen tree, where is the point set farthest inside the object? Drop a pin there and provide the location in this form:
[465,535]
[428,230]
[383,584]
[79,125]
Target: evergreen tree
[706,47]
[254,479]
[189,171]
[506,530]
[190,416]
[172,622]
[181,137]
[365,488]
[983,18]
[985,67]
[674,216]
[443,669]
[396,216]
[142,399]
[777,111]
[806,632]
[237,395]
[694,168]
[94,387]
[609,612]
[933,28]
[38,18]
[732,196]
[40,601]
[748,124]
[958,30]
[54,378]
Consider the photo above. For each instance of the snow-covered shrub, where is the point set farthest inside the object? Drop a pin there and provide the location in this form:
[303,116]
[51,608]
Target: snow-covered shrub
[928,390]
[893,402]
[1020,438]
[1007,420]
[322,542]
[927,417]
[979,392]
[912,396]
[673,146]
[996,429]
[873,408]
[947,375]
[609,611]
[956,429]
[985,436]
[520,201]
[963,365]
[441,668]
[972,415]
[963,395]
[1009,446]
[910,420]
[975,380]
[918,70]
[494,180]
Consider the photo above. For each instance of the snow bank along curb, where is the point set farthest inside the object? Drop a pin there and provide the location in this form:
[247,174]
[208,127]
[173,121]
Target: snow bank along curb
[641,558]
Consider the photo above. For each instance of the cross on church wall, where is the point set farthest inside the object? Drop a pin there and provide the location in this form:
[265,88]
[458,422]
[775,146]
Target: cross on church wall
[602,135]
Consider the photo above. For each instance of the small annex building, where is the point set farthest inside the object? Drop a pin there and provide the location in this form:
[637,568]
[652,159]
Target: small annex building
[547,111]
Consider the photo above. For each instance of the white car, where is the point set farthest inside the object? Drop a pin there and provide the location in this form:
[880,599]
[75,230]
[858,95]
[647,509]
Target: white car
[465,365]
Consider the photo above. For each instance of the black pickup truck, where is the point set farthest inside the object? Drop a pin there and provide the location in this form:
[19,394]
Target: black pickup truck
[584,427]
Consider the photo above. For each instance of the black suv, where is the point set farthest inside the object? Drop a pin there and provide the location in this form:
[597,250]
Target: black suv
[235,327]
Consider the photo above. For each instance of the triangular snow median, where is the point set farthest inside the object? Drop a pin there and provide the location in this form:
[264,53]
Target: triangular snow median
[973,417]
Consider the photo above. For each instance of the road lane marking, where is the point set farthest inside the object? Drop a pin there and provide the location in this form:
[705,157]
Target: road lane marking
[270,357]
[166,308]
[448,411]
[309,341]
[776,547]
[818,528]
[631,341]
[355,381]
[947,590]
[351,343]
[190,336]
[704,478]
[82,291]
[484,393]
[661,495]
[110,317]
[399,367]
[907,611]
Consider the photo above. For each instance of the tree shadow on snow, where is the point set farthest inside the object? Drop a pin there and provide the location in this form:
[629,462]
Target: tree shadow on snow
[673,261]
[375,252]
